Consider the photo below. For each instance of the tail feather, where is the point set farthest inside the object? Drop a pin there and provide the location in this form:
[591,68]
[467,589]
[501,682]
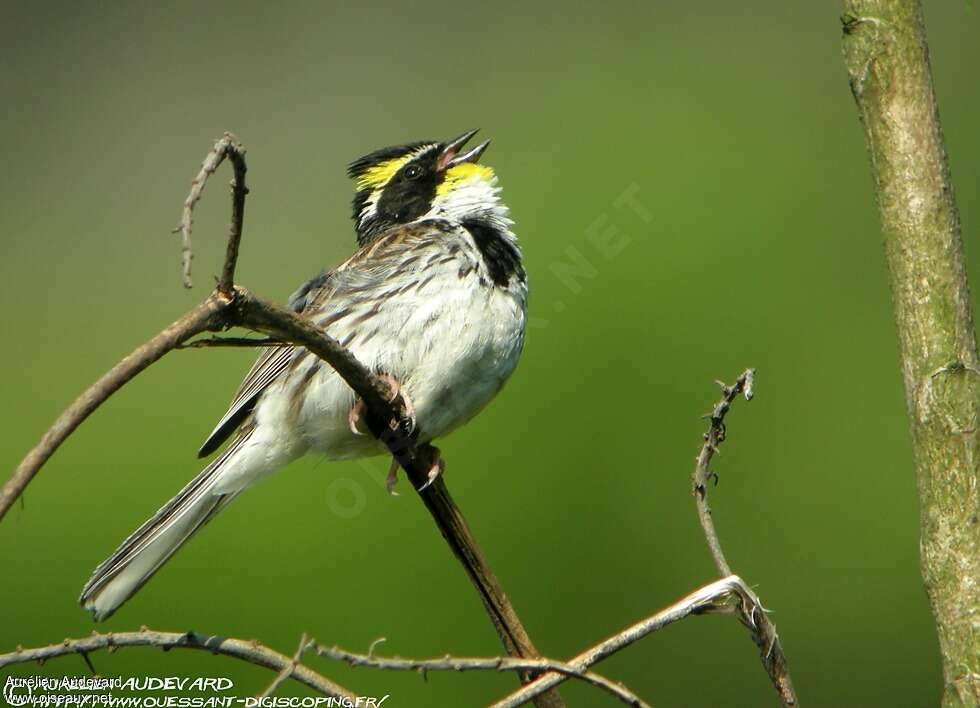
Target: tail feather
[145,551]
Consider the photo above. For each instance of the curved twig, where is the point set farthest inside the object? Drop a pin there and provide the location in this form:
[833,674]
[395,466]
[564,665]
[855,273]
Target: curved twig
[207,315]
[248,651]
[713,438]
[230,306]
[228,146]
[763,630]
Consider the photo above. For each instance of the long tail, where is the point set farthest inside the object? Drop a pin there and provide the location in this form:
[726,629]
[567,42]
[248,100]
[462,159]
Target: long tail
[118,577]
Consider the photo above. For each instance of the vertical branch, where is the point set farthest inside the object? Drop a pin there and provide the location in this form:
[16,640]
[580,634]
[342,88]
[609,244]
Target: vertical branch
[761,628]
[236,153]
[713,438]
[887,60]
[228,146]
[229,306]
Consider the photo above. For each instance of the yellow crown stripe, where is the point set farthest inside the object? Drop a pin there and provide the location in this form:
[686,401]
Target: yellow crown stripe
[379,175]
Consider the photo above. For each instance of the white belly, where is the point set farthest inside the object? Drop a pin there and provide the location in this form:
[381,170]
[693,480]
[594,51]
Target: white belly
[451,343]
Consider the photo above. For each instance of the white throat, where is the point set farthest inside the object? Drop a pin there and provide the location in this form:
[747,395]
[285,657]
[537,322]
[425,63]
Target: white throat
[475,198]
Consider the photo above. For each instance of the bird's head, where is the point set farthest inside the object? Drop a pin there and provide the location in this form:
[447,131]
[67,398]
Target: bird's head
[427,179]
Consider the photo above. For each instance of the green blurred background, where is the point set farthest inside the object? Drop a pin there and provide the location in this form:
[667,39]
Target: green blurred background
[735,127]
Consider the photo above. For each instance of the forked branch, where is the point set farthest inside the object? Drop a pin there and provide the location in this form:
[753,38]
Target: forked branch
[232,306]
[227,147]
[728,595]
[763,630]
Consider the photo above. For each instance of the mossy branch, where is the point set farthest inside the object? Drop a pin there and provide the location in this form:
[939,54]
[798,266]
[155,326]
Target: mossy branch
[887,59]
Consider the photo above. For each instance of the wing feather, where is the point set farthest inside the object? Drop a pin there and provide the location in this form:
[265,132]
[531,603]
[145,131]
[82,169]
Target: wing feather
[355,280]
[263,372]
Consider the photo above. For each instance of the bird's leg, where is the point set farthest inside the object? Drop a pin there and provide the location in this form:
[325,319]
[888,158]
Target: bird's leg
[432,453]
[357,410]
[396,391]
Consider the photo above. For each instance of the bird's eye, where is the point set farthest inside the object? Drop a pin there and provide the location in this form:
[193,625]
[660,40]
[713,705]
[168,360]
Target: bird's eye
[413,172]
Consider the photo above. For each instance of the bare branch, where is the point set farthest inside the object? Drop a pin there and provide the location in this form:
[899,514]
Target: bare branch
[763,630]
[228,146]
[458,664]
[728,595]
[702,474]
[886,53]
[251,652]
[288,670]
[389,421]
[415,459]
[207,315]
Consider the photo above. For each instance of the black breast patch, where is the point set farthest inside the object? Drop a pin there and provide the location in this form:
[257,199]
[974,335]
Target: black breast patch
[501,257]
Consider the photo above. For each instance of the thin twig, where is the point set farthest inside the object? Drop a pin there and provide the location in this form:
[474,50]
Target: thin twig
[212,342]
[249,651]
[235,153]
[713,438]
[228,146]
[230,306]
[712,598]
[763,630]
[452,663]
[727,595]
[287,671]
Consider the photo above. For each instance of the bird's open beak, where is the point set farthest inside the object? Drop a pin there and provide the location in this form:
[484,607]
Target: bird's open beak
[451,154]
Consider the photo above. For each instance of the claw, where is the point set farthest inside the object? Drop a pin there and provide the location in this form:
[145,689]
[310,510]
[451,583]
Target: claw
[396,391]
[355,415]
[435,471]
[392,479]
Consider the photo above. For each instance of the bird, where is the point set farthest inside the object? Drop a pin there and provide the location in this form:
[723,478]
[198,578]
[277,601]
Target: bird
[434,300]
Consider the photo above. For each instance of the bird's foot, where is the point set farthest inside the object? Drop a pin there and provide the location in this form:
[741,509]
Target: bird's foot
[396,391]
[357,410]
[436,468]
